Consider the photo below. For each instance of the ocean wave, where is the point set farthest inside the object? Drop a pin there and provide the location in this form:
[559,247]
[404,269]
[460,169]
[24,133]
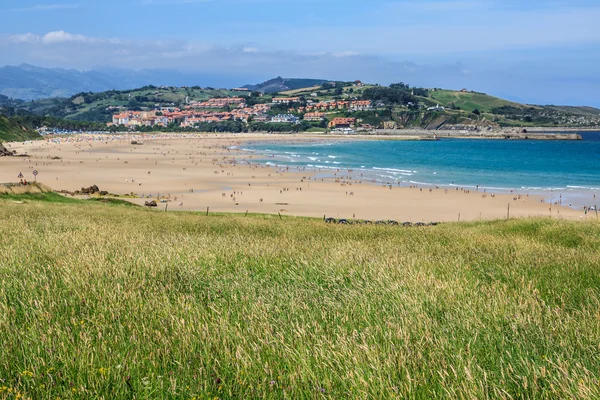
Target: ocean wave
[583,187]
[393,170]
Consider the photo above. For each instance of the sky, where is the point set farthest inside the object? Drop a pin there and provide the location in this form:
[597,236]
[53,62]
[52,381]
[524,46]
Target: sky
[534,51]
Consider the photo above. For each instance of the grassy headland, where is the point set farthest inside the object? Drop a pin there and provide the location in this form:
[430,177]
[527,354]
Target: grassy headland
[121,302]
[11,131]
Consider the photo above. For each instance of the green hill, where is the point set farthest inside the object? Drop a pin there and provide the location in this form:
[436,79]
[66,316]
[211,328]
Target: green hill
[280,84]
[470,101]
[460,105]
[106,301]
[11,131]
[96,107]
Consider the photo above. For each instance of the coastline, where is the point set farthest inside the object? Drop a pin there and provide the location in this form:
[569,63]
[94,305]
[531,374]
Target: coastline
[193,172]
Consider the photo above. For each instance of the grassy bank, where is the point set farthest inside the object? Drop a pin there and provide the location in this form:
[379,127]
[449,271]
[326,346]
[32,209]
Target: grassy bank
[102,301]
[11,131]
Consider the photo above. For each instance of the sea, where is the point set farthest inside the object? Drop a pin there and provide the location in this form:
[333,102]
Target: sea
[560,171]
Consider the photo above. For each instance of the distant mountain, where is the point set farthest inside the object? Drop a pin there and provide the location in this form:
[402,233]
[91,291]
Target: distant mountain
[280,84]
[27,82]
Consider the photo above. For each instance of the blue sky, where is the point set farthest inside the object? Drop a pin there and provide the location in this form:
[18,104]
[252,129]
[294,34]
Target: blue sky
[530,50]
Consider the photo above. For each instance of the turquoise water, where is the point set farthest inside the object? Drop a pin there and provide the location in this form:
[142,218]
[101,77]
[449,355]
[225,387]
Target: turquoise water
[568,168]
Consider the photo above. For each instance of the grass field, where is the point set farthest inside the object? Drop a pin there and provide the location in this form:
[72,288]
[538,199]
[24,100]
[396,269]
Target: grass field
[470,101]
[106,301]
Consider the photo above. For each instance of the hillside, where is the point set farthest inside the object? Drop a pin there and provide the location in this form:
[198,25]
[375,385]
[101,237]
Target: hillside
[180,305]
[462,109]
[469,101]
[280,84]
[99,107]
[11,131]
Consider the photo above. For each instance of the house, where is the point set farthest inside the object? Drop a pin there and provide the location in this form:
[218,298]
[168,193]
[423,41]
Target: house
[286,100]
[342,123]
[361,105]
[121,119]
[285,118]
[223,102]
[262,118]
[314,116]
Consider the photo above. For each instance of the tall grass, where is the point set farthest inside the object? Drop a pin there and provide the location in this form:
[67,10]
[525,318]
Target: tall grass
[118,302]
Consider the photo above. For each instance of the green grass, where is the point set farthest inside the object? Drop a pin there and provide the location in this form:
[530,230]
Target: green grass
[470,101]
[51,197]
[118,302]
[13,132]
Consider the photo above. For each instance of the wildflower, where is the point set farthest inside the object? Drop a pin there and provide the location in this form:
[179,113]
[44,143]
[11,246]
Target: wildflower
[272,383]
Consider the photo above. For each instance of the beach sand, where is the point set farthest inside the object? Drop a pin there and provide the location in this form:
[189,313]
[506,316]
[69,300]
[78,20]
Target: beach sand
[198,171]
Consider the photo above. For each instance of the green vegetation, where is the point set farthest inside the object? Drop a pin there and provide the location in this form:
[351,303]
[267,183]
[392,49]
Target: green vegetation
[405,105]
[95,107]
[469,101]
[46,197]
[280,84]
[119,302]
[11,131]
[52,197]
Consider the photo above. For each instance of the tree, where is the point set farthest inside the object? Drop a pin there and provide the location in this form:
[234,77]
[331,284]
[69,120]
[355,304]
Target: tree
[476,111]
[400,86]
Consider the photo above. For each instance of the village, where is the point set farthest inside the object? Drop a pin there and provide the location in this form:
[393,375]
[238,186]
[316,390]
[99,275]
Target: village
[216,110]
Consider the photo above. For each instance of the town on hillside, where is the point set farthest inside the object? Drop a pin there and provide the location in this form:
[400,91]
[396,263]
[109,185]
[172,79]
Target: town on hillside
[292,110]
[326,106]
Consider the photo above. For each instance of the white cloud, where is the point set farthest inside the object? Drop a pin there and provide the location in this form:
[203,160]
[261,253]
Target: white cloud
[23,38]
[57,37]
[62,36]
[345,54]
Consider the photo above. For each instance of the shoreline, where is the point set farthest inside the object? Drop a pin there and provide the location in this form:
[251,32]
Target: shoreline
[327,171]
[193,172]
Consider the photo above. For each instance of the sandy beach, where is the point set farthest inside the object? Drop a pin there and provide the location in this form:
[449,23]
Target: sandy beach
[193,172]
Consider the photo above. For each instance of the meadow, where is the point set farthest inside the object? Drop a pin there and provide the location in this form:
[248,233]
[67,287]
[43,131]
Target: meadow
[470,101]
[103,301]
